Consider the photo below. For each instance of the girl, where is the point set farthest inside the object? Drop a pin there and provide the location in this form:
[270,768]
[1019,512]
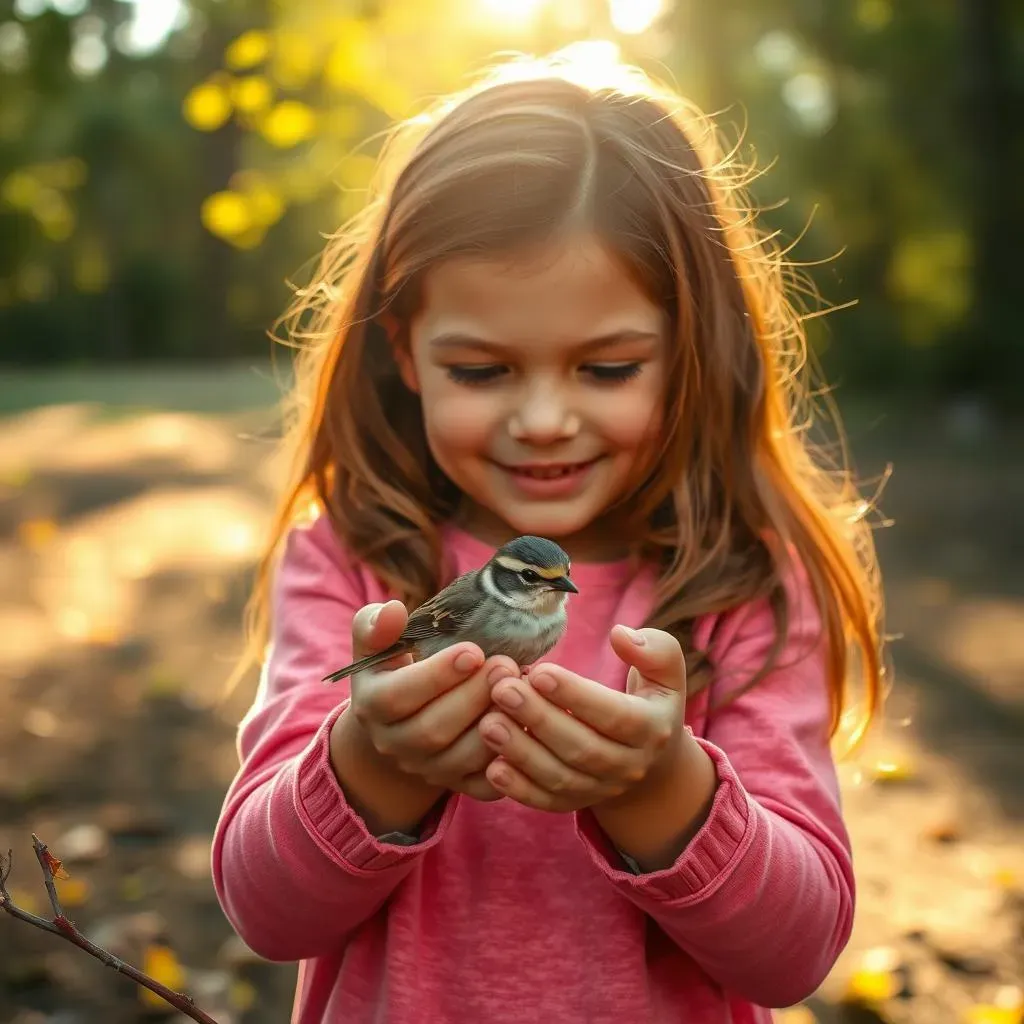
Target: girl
[554,318]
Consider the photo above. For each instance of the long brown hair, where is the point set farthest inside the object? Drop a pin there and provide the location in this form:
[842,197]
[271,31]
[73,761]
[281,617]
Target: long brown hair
[739,495]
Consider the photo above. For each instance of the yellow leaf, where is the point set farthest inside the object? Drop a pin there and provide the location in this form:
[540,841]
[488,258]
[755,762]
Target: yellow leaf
[892,770]
[354,63]
[19,189]
[288,123]
[27,899]
[294,60]
[160,963]
[247,50]
[73,892]
[241,995]
[252,94]
[874,980]
[986,1013]
[37,533]
[225,214]
[207,106]
[132,888]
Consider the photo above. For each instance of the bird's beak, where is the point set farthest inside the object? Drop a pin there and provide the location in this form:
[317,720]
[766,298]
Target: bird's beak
[563,583]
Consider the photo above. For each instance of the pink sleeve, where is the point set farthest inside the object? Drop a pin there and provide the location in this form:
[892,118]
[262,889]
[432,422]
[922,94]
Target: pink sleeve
[295,869]
[763,896]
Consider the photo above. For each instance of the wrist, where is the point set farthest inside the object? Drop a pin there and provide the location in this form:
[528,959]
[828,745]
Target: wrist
[385,797]
[655,820]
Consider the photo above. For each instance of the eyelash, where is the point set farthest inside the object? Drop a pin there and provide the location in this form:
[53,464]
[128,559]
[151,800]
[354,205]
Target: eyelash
[602,373]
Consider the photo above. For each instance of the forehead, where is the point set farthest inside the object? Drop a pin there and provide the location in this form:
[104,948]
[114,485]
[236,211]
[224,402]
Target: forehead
[550,295]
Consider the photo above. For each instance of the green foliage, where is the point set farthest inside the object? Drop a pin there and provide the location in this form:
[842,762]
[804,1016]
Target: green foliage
[153,203]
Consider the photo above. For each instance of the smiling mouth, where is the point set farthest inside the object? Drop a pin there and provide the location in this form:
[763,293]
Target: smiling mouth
[549,471]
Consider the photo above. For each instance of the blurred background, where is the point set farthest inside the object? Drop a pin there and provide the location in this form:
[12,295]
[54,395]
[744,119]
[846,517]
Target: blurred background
[167,167]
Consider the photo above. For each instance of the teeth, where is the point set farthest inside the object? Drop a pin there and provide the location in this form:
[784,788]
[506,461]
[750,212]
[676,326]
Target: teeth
[549,474]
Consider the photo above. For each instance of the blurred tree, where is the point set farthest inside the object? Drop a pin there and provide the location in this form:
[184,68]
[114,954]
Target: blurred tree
[161,180]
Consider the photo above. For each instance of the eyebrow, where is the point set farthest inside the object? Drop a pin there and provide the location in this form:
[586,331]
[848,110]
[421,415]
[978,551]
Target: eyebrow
[457,339]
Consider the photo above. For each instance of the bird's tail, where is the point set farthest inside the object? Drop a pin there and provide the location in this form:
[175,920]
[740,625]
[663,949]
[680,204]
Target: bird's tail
[370,661]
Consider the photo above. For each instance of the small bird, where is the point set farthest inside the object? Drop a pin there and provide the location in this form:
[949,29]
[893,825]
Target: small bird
[514,605]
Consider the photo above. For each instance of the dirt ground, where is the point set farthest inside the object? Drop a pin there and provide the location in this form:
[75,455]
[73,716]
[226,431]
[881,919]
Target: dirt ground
[125,541]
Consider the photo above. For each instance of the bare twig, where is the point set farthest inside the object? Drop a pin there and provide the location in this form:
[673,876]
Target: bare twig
[62,926]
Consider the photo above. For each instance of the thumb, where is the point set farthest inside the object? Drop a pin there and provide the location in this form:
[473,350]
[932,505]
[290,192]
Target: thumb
[657,667]
[377,626]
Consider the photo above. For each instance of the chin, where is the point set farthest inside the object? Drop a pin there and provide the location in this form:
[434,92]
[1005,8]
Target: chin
[552,522]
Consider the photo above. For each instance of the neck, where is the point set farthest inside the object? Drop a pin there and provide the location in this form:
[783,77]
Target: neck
[600,541]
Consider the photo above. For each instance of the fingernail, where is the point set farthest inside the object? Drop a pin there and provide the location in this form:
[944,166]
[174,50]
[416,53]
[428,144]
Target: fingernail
[496,733]
[375,615]
[510,697]
[498,673]
[500,776]
[466,661]
[638,638]
[545,683]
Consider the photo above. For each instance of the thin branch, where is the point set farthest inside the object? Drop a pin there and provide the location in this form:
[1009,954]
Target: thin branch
[62,926]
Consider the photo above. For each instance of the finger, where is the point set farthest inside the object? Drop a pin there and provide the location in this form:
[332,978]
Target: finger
[441,722]
[510,782]
[389,696]
[621,717]
[478,786]
[657,658]
[376,627]
[572,739]
[534,760]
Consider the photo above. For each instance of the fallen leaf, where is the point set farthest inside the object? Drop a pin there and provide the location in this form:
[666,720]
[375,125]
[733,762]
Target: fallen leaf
[37,533]
[891,770]
[73,892]
[875,980]
[161,964]
[242,995]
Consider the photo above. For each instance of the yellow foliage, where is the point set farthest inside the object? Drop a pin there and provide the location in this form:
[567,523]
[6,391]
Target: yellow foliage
[288,123]
[90,269]
[252,94]
[931,274]
[207,106]
[225,214]
[355,61]
[64,174]
[34,282]
[160,963]
[295,60]
[986,1013]
[55,215]
[874,14]
[19,189]
[248,50]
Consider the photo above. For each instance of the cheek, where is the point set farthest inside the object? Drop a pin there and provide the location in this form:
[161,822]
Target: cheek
[631,418]
[457,421]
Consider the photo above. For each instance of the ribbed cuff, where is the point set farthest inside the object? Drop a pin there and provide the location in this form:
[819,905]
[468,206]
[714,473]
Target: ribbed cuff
[709,857]
[338,830]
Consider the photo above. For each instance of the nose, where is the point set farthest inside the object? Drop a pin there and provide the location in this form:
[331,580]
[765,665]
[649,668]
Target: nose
[544,416]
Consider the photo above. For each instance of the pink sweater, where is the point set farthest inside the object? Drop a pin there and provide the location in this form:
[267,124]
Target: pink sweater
[506,915]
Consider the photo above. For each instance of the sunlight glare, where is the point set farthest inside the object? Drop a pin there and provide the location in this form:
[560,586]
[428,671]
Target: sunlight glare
[512,13]
[631,17]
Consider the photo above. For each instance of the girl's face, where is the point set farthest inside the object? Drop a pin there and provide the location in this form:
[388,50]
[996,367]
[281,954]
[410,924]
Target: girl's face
[542,384]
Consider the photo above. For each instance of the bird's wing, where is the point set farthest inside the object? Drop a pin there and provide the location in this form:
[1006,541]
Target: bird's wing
[447,612]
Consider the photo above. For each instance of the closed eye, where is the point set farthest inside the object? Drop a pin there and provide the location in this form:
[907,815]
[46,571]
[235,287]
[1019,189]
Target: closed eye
[476,373]
[612,373]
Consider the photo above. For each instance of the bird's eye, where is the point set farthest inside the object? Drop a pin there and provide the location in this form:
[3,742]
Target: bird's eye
[529,576]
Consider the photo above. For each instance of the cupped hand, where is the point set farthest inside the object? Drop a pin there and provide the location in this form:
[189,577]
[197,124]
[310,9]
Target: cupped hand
[566,742]
[423,715]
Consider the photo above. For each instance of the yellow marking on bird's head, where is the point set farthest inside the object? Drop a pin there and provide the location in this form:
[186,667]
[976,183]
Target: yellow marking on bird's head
[550,572]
